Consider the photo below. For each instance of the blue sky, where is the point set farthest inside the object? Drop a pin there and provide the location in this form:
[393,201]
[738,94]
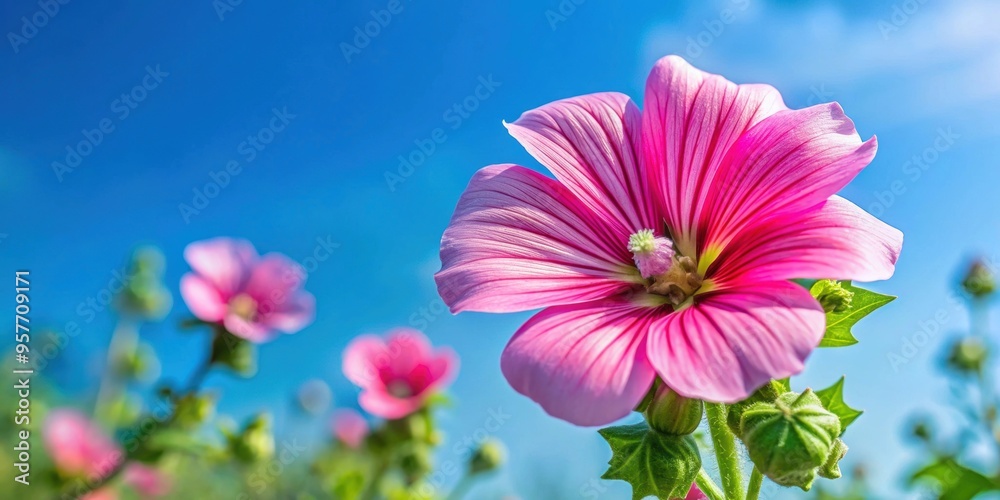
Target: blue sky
[205,80]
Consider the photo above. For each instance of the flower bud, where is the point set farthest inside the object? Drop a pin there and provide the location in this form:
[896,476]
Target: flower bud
[968,355]
[671,413]
[832,296]
[193,410]
[790,438]
[234,352]
[979,281]
[831,469]
[766,394]
[144,294]
[489,456]
[255,442]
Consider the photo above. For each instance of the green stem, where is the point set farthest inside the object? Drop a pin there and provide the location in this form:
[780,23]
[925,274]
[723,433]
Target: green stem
[462,488]
[756,479]
[708,486]
[724,444]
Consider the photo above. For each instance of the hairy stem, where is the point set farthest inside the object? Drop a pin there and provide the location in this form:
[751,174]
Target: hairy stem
[708,486]
[753,489]
[724,444]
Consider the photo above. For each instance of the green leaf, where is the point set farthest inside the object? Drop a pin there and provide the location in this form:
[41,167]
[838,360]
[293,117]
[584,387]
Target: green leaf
[956,481]
[833,400]
[838,325]
[655,464]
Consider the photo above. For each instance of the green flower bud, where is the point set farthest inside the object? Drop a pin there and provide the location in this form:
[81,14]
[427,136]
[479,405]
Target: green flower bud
[144,294]
[766,394]
[790,438]
[831,469]
[968,355]
[193,410]
[979,281]
[832,296]
[417,463]
[671,413]
[234,352]
[141,364]
[255,442]
[489,456]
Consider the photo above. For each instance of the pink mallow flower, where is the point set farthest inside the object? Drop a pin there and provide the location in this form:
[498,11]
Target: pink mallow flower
[665,243]
[399,374]
[350,427]
[80,448]
[253,297]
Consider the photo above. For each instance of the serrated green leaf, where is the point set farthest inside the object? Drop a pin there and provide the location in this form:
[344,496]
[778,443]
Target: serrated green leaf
[838,325]
[833,400]
[655,464]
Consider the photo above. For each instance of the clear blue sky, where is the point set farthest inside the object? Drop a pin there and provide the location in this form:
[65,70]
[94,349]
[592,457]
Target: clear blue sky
[927,83]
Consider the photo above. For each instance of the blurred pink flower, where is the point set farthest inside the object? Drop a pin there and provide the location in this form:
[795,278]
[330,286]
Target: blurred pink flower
[350,427]
[666,242]
[77,446]
[397,375]
[147,481]
[252,296]
[80,448]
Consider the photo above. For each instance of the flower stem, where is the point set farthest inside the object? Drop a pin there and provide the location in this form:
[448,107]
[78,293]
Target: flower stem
[756,479]
[708,487]
[724,444]
[462,488]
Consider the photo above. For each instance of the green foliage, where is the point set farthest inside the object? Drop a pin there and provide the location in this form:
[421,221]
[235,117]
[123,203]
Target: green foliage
[833,400]
[954,480]
[655,464]
[838,324]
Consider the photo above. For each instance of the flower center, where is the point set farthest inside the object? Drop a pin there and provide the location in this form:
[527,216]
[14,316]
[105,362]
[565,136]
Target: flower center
[243,306]
[399,388]
[668,274]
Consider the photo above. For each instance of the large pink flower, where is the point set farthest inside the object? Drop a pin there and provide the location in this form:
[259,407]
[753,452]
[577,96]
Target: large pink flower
[252,296]
[80,448]
[399,374]
[666,242]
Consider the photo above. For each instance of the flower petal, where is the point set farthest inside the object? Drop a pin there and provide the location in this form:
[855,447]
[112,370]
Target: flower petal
[731,342]
[253,331]
[203,298]
[583,363]
[789,162]
[274,275]
[292,314]
[837,240]
[224,262]
[382,404]
[690,120]
[519,241]
[591,144]
[362,359]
